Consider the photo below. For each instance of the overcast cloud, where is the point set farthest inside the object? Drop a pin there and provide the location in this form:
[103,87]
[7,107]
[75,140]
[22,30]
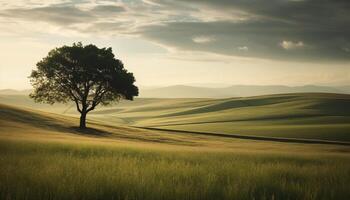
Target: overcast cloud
[164,42]
[315,30]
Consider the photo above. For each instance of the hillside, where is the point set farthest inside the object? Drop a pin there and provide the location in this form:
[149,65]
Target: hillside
[14,92]
[23,123]
[183,91]
[43,156]
[189,91]
[305,116]
[313,116]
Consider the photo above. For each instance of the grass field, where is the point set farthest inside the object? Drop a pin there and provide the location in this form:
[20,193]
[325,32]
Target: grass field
[304,116]
[43,155]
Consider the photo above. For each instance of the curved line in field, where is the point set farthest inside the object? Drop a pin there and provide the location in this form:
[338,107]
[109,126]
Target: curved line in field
[251,119]
[274,139]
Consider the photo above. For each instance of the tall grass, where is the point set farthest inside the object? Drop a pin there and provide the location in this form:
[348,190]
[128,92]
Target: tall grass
[57,170]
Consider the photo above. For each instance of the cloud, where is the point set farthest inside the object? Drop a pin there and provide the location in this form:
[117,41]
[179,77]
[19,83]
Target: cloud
[203,39]
[262,38]
[108,9]
[60,15]
[315,12]
[226,27]
[243,48]
[291,45]
[63,14]
[109,28]
[346,49]
[322,25]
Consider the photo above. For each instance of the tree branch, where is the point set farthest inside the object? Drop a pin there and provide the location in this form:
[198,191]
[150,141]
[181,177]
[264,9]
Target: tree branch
[97,98]
[77,104]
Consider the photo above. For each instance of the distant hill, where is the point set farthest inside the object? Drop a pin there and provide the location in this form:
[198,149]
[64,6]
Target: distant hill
[345,89]
[310,116]
[320,116]
[183,91]
[15,92]
[253,90]
[186,91]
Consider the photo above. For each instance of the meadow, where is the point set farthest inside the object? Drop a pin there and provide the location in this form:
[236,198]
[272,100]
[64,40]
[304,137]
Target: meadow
[308,116]
[44,156]
[60,170]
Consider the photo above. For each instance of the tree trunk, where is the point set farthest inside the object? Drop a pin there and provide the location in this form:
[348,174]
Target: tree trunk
[83,120]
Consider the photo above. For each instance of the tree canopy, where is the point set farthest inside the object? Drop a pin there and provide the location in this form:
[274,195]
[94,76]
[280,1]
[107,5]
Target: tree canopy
[86,75]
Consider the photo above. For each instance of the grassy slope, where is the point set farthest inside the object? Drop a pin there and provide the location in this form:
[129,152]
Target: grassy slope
[304,116]
[42,156]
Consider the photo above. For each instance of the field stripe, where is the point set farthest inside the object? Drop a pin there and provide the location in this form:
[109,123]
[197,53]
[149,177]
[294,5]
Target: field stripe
[274,139]
[262,118]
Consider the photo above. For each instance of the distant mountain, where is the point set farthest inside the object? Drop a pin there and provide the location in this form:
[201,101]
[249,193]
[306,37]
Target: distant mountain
[254,90]
[345,88]
[183,91]
[15,92]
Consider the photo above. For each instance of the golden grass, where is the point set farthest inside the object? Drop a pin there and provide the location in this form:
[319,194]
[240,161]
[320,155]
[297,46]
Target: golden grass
[61,169]
[43,156]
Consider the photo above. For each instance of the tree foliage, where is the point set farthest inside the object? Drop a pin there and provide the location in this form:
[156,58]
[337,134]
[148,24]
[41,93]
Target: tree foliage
[86,75]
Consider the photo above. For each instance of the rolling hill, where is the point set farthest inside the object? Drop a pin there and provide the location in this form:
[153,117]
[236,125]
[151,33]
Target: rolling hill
[122,154]
[14,92]
[308,116]
[183,91]
[305,116]
[189,91]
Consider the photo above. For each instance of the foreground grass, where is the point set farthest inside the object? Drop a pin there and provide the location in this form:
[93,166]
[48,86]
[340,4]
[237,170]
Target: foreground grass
[59,170]
[43,156]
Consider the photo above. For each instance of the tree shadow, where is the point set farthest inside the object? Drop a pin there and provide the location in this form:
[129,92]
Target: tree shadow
[90,131]
[49,123]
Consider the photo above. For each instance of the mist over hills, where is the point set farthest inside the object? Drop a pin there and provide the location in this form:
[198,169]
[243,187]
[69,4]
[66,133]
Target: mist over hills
[15,92]
[187,91]
[184,91]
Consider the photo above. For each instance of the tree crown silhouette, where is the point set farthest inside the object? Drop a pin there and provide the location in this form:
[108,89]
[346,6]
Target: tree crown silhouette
[86,75]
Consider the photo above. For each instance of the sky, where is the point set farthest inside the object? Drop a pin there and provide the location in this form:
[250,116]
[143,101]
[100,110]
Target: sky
[171,42]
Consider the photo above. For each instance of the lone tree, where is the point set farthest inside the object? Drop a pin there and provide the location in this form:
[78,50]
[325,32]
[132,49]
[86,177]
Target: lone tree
[87,75]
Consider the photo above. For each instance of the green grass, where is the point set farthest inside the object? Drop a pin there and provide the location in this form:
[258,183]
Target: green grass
[332,132]
[56,170]
[304,116]
[44,156]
